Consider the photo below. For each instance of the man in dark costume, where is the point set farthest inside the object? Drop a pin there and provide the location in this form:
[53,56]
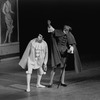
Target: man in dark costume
[63,42]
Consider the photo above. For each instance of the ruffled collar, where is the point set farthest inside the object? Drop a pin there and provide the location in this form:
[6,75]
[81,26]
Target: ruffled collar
[39,41]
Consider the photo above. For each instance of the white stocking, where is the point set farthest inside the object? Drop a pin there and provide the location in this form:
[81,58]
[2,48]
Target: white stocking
[39,80]
[28,82]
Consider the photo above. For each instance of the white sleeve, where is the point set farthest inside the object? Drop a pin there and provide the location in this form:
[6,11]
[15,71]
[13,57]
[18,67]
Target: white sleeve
[50,29]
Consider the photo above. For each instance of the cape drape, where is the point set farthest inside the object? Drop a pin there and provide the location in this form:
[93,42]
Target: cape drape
[23,61]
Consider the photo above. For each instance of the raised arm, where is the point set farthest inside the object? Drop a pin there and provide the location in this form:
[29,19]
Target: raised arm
[49,23]
[50,28]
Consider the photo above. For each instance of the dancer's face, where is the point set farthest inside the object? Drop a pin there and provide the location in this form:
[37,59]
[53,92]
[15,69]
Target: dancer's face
[65,31]
[40,37]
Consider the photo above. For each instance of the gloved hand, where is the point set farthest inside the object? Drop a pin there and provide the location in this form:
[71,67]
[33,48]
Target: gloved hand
[71,50]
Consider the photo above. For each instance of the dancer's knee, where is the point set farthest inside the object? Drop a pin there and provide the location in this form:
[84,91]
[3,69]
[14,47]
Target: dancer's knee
[40,71]
[53,69]
[28,72]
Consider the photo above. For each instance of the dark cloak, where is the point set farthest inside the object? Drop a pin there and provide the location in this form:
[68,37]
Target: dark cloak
[55,54]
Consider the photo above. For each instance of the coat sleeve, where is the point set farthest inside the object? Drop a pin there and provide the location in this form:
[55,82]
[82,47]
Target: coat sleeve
[23,61]
[77,61]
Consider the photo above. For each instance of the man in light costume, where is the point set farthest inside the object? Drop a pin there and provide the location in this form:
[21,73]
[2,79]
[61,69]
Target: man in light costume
[63,42]
[35,57]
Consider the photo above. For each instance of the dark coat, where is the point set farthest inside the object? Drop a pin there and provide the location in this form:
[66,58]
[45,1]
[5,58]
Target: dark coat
[55,54]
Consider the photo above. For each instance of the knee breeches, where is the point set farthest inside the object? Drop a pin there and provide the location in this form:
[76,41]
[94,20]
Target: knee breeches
[39,70]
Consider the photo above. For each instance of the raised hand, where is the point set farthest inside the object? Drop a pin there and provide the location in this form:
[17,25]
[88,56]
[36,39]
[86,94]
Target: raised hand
[49,23]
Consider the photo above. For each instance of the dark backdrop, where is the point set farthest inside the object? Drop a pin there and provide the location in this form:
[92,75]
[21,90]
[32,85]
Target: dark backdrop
[83,16]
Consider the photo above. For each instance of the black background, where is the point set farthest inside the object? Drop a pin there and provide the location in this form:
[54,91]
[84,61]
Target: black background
[82,15]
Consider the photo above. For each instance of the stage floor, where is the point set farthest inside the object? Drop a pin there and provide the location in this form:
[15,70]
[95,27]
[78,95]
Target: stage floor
[82,86]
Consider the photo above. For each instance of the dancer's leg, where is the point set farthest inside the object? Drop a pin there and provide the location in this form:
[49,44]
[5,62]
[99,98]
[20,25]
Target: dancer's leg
[52,74]
[40,72]
[28,81]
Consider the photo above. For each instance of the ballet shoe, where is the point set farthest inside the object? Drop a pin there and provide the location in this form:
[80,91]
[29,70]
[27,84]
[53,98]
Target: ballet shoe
[49,86]
[40,86]
[63,84]
[27,90]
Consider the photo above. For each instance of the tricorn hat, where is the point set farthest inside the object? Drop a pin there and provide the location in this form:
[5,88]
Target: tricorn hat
[66,27]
